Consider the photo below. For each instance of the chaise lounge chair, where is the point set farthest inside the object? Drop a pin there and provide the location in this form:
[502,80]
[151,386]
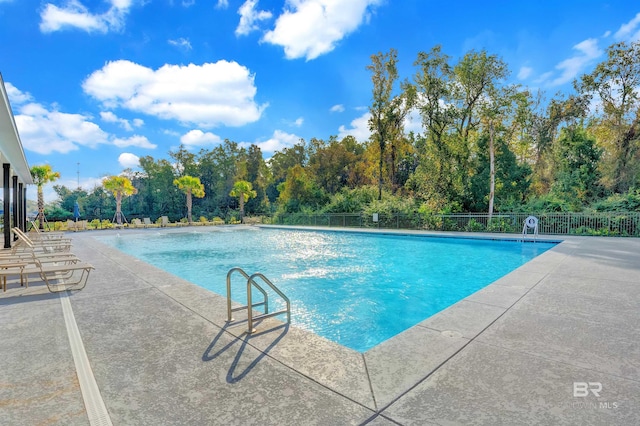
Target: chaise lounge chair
[148,223]
[62,277]
[35,234]
[48,246]
[47,234]
[26,262]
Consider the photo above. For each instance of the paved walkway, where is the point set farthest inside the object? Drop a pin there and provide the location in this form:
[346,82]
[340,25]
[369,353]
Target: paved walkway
[554,342]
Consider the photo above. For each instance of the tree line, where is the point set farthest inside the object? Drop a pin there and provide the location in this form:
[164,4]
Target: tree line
[485,146]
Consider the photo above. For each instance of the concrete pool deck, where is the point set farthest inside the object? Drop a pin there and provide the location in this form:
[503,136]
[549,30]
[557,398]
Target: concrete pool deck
[554,342]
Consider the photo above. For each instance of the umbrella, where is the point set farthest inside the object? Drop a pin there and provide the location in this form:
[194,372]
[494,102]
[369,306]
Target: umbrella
[76,211]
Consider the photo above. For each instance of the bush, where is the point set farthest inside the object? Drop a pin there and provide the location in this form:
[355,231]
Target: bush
[546,203]
[602,232]
[217,221]
[501,224]
[474,226]
[351,200]
[629,201]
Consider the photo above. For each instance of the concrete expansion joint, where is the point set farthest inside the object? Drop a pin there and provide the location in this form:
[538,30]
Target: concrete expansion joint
[94,404]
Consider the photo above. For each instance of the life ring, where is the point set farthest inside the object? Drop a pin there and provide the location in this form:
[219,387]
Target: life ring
[531,222]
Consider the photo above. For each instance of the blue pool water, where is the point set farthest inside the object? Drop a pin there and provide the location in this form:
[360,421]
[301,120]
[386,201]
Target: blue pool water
[356,289]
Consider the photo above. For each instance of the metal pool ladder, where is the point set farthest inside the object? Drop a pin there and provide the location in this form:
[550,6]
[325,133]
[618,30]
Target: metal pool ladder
[250,305]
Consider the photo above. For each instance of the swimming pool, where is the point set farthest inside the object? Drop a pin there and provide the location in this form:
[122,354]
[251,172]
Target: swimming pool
[357,289]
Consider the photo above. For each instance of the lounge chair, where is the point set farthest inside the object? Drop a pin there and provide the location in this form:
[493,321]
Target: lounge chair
[56,240]
[36,234]
[136,223]
[35,229]
[148,223]
[164,221]
[11,267]
[61,277]
[48,246]
[25,262]
[38,237]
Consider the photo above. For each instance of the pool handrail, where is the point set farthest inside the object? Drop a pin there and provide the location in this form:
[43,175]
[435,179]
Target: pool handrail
[244,274]
[250,317]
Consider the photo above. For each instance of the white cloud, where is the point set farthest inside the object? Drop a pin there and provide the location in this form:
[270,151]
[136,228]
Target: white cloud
[310,28]
[299,122]
[249,17]
[75,15]
[588,50]
[181,43]
[171,133]
[413,122]
[524,73]
[337,108]
[128,160]
[50,195]
[188,3]
[222,4]
[629,31]
[207,95]
[138,122]
[197,137]
[110,117]
[45,131]
[359,128]
[543,77]
[277,142]
[16,97]
[136,140]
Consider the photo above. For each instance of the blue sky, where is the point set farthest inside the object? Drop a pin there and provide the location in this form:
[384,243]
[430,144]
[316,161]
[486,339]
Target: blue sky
[94,85]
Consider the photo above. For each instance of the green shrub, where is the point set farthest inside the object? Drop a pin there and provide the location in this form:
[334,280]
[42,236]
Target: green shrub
[474,226]
[602,232]
[547,203]
[628,202]
[500,224]
[351,200]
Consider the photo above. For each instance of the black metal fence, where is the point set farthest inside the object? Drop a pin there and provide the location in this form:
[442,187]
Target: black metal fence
[605,224]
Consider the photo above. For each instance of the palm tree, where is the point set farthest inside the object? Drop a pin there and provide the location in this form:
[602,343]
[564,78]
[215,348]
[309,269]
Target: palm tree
[41,176]
[120,186]
[192,187]
[243,190]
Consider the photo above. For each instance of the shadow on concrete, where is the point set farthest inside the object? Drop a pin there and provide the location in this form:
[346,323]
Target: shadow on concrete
[25,298]
[244,338]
